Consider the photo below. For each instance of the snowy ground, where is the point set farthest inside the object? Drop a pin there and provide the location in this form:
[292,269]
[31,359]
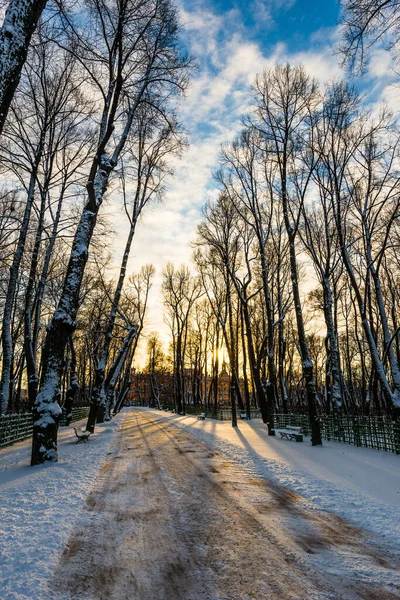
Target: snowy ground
[39,506]
[359,484]
[173,508]
[174,518]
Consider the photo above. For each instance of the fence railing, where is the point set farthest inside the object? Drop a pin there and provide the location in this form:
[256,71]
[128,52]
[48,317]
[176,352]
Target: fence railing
[78,413]
[379,433]
[15,428]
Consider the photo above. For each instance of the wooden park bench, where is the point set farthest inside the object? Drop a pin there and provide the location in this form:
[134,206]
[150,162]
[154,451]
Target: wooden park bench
[294,433]
[202,416]
[83,436]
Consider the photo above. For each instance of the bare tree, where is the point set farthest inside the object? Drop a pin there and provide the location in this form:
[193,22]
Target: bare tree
[285,98]
[47,121]
[154,141]
[180,292]
[366,23]
[358,157]
[134,308]
[130,52]
[243,180]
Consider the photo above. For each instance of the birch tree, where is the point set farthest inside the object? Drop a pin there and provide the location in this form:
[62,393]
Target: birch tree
[131,54]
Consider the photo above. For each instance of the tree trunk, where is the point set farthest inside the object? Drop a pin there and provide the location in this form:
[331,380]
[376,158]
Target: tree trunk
[332,347]
[231,347]
[18,26]
[12,286]
[245,377]
[379,367]
[270,325]
[265,408]
[73,387]
[100,370]
[116,369]
[307,364]
[47,410]
[30,354]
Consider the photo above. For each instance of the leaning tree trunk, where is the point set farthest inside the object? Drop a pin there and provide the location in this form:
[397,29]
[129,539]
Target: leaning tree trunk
[365,321]
[100,370]
[387,334]
[18,26]
[114,372]
[116,369]
[126,383]
[46,409]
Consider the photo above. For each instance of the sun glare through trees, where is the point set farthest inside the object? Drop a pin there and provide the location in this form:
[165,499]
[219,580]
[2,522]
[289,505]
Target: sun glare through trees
[199,300]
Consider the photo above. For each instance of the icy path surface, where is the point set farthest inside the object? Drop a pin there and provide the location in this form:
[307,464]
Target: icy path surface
[173,518]
[359,484]
[39,506]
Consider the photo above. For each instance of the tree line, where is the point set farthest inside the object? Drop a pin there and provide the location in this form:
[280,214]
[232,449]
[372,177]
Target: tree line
[88,98]
[93,116]
[310,189]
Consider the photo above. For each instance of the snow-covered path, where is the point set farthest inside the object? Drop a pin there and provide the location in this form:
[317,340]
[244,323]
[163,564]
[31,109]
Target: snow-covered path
[178,514]
[39,506]
[359,484]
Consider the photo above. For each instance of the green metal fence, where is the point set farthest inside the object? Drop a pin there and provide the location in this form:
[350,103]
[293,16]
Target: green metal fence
[14,428]
[379,433]
[78,413]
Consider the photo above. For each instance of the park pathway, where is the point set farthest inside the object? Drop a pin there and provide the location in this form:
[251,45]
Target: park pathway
[172,519]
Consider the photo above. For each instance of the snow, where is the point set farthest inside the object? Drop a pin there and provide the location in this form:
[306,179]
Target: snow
[50,410]
[358,484]
[40,505]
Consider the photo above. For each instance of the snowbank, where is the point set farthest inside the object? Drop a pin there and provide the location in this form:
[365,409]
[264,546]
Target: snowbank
[39,506]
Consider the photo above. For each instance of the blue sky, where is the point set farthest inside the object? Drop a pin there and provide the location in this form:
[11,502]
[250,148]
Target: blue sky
[232,42]
[267,23]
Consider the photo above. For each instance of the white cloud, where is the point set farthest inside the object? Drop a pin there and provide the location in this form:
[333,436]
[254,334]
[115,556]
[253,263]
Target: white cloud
[218,96]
